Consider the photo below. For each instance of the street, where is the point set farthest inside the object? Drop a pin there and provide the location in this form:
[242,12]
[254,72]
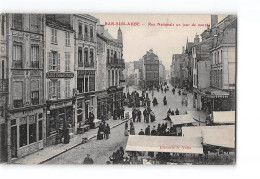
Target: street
[100,150]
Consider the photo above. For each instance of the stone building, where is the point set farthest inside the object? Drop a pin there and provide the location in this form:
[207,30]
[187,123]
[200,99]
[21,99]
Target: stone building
[60,79]
[175,69]
[150,70]
[22,60]
[110,81]
[85,65]
[162,74]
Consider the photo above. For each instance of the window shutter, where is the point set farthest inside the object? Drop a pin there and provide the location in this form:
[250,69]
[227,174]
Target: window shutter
[58,61]
[49,89]
[58,89]
[50,60]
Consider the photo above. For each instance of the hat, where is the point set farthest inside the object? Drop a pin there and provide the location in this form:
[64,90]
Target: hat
[148,125]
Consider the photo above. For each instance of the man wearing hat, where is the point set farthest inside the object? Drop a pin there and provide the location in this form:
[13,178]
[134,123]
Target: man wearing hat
[147,130]
[153,132]
[88,160]
[141,132]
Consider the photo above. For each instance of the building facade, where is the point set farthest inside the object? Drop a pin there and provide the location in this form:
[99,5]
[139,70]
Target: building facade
[110,50]
[162,73]
[22,66]
[60,79]
[150,70]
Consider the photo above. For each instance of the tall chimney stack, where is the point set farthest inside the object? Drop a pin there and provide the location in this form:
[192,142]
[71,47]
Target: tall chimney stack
[214,20]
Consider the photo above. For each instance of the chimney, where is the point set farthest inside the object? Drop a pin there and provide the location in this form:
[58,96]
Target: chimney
[196,39]
[214,20]
[183,49]
[100,29]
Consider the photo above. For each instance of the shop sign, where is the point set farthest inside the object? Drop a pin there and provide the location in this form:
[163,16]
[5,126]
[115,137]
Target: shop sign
[59,105]
[86,72]
[59,75]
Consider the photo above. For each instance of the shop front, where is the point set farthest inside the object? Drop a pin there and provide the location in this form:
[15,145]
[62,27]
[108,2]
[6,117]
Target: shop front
[59,116]
[115,98]
[27,132]
[102,106]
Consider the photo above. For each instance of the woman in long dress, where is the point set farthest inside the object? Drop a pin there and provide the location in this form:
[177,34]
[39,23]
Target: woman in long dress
[126,129]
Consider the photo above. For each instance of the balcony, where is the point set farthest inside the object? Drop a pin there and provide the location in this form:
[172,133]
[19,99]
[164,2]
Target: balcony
[18,103]
[18,64]
[115,62]
[3,85]
[35,64]
[89,39]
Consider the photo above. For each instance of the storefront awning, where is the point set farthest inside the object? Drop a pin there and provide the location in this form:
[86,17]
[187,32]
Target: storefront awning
[196,131]
[224,117]
[214,93]
[164,144]
[224,137]
[182,119]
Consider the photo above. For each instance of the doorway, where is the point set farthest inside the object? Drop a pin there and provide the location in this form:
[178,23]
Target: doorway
[14,141]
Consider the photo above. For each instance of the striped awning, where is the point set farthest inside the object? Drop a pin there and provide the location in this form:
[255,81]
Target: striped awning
[214,93]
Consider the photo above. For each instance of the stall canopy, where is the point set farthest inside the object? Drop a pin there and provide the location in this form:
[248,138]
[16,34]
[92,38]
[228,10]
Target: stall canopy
[222,137]
[224,117]
[182,119]
[140,143]
[196,131]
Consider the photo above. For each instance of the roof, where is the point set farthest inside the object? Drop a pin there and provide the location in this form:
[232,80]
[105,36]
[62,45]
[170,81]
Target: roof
[164,144]
[203,49]
[196,131]
[224,137]
[182,119]
[224,117]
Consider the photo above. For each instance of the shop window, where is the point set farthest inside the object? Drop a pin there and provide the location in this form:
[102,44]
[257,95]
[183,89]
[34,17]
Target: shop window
[40,130]
[91,83]
[18,21]
[52,122]
[23,132]
[32,129]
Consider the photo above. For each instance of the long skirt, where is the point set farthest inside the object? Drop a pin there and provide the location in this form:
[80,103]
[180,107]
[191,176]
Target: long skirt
[126,132]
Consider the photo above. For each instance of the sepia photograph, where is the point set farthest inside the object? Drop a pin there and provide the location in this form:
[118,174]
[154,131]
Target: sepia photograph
[118,89]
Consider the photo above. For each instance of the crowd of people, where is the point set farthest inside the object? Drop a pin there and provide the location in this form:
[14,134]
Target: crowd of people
[103,131]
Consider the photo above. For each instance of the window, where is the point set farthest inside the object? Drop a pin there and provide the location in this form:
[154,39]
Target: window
[113,78]
[80,62]
[92,57]
[23,132]
[116,79]
[67,61]
[91,32]
[86,32]
[86,63]
[54,61]
[108,56]
[18,21]
[40,129]
[54,89]
[35,56]
[54,36]
[67,88]
[18,94]
[32,129]
[34,92]
[17,56]
[3,25]
[119,55]
[80,31]
[91,83]
[80,85]
[67,38]
[108,78]
[35,20]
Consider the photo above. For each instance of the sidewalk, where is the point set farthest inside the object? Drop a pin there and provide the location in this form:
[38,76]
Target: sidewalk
[53,151]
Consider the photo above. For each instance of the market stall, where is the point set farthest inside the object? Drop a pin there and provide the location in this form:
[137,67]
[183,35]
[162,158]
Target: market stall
[223,117]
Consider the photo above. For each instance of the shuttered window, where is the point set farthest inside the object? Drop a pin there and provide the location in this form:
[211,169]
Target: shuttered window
[67,38]
[67,88]
[18,90]
[58,90]
[54,61]
[54,35]
[67,61]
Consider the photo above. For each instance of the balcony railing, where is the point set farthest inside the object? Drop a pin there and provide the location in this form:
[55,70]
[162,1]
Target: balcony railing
[3,85]
[116,62]
[35,101]
[18,64]
[35,64]
[18,103]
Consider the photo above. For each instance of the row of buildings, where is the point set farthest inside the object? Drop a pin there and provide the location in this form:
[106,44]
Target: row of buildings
[207,67]
[147,72]
[55,69]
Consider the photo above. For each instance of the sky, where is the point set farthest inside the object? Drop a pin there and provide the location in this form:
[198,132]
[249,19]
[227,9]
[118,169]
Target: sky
[164,40]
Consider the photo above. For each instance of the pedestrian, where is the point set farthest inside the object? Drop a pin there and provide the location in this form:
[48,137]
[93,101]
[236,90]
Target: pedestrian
[172,113]
[173,90]
[155,102]
[152,94]
[133,114]
[139,114]
[165,89]
[122,112]
[115,115]
[132,129]
[126,129]
[91,120]
[88,160]
[164,100]
[147,130]
[153,132]
[141,132]
[169,112]
[177,112]
[152,116]
[107,131]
